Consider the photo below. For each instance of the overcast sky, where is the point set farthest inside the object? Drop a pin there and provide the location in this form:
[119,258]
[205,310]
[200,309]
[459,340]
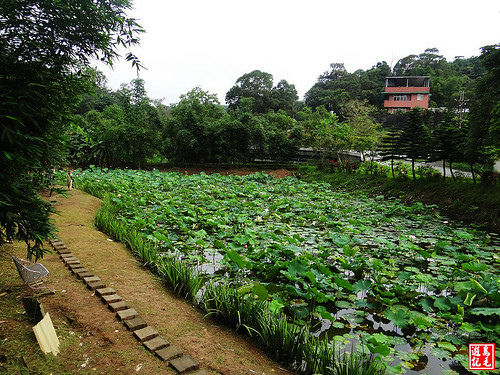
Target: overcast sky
[210,44]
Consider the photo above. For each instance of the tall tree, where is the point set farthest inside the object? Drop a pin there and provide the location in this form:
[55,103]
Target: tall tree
[364,132]
[414,138]
[284,97]
[191,126]
[256,85]
[484,108]
[44,44]
[446,142]
[333,89]
[390,146]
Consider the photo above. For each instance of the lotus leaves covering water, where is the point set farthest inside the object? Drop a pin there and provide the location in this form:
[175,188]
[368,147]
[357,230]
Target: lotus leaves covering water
[399,281]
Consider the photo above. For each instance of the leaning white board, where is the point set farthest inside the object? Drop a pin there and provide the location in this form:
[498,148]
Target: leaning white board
[46,336]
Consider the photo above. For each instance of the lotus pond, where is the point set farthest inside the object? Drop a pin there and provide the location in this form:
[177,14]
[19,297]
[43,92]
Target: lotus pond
[373,274]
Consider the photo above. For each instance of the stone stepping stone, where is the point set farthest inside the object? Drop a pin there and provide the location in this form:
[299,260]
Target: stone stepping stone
[77,267]
[105,291]
[67,255]
[168,353]
[71,259]
[111,298]
[184,364]
[96,285]
[73,263]
[91,279]
[156,344]
[118,306]
[127,314]
[82,272]
[146,333]
[135,324]
[63,250]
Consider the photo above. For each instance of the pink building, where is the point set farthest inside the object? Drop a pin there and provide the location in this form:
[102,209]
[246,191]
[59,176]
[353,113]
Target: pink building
[405,93]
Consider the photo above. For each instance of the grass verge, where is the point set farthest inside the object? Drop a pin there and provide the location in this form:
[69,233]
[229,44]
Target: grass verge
[19,349]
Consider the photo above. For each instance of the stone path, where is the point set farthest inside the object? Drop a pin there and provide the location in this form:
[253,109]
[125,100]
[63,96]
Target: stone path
[145,334]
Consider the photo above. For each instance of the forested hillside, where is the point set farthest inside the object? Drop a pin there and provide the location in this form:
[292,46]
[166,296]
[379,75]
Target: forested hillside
[265,120]
[56,111]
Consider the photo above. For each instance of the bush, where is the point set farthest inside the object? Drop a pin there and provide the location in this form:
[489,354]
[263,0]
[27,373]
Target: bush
[401,170]
[346,166]
[427,172]
[489,177]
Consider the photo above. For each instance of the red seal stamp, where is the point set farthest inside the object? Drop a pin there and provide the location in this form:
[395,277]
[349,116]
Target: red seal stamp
[481,356]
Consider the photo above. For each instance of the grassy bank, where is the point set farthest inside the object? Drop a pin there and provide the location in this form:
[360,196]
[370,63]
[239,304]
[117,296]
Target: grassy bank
[464,201]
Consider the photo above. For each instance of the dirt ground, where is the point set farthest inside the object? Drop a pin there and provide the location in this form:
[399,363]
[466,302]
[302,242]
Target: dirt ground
[278,173]
[94,341]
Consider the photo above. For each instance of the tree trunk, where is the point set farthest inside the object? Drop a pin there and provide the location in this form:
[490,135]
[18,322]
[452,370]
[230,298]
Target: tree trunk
[413,168]
[451,172]
[472,171]
[444,169]
[392,168]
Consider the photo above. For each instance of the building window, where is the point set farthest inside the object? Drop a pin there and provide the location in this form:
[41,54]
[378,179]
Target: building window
[420,96]
[400,98]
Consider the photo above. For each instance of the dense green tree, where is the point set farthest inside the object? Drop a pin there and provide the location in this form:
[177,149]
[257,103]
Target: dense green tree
[138,137]
[191,126]
[98,97]
[364,132]
[231,141]
[256,126]
[258,86]
[447,141]
[336,87]
[390,146]
[481,144]
[447,79]
[484,108]
[127,132]
[414,138]
[284,97]
[494,129]
[372,83]
[333,89]
[44,44]
[323,132]
[283,136]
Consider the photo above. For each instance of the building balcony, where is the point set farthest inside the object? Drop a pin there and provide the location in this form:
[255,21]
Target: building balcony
[407,90]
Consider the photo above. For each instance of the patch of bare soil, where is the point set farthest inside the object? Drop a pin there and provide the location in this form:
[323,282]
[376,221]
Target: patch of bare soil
[101,344]
[278,173]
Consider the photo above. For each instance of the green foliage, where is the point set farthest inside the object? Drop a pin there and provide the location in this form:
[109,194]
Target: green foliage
[364,133]
[390,147]
[258,86]
[43,45]
[484,111]
[127,131]
[337,87]
[288,247]
[414,138]
[333,90]
[324,132]
[447,79]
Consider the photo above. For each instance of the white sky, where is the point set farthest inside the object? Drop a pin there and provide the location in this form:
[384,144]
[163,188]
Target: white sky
[210,44]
